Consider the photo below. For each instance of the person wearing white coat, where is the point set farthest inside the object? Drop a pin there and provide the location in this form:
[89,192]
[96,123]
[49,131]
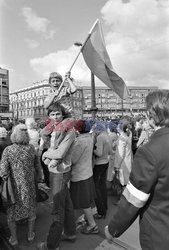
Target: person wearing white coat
[124,155]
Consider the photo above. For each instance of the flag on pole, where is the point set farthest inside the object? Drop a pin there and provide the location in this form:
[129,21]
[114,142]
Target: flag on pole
[97,59]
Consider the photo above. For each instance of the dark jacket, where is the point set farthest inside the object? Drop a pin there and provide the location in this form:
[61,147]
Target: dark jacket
[147,194]
[4,142]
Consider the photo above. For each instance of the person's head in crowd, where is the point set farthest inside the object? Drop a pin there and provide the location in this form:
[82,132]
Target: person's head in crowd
[98,128]
[138,123]
[113,126]
[30,123]
[82,126]
[41,124]
[56,113]
[145,125]
[3,133]
[20,135]
[9,126]
[55,80]
[124,126]
[157,105]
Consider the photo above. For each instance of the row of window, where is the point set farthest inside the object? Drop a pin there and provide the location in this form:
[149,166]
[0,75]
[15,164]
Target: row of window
[100,94]
[23,96]
[110,94]
[31,112]
[4,100]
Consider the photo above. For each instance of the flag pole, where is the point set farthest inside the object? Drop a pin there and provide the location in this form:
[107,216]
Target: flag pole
[93,97]
[78,53]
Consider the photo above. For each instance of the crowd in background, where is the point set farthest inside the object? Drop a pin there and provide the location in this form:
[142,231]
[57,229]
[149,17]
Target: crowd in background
[99,149]
[74,162]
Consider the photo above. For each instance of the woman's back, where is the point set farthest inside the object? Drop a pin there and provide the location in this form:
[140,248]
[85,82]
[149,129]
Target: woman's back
[82,157]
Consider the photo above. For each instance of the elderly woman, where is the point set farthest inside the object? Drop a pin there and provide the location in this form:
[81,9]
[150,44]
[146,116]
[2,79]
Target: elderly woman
[18,162]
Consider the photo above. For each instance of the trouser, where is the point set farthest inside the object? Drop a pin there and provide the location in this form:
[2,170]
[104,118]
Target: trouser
[63,218]
[99,177]
[46,172]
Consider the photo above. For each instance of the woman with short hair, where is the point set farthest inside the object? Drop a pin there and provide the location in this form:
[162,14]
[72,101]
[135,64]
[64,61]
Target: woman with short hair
[18,162]
[82,188]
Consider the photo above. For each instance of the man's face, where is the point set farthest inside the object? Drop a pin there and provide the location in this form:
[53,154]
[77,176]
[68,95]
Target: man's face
[56,115]
[55,83]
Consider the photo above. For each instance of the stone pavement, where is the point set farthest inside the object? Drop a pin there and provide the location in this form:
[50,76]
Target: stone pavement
[129,240]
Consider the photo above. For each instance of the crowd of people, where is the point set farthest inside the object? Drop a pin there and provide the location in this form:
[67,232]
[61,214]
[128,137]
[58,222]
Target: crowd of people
[76,161]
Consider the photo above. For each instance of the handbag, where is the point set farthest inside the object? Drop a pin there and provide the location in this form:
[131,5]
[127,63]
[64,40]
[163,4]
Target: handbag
[116,186]
[7,193]
[41,195]
[42,192]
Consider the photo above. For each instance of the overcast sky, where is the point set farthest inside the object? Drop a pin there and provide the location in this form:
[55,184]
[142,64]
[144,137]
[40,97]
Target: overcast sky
[37,37]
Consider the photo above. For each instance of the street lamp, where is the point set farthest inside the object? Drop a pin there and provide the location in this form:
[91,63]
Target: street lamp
[14,105]
[78,44]
[101,106]
[122,106]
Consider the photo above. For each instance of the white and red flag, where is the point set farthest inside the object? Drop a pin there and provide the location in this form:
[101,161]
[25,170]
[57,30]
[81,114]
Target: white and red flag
[97,59]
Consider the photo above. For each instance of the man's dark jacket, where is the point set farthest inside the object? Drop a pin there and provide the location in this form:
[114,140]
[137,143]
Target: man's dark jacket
[147,194]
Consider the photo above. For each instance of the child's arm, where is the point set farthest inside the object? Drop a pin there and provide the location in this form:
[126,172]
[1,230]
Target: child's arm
[72,87]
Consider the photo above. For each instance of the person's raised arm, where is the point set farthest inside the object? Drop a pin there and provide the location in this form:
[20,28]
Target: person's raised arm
[72,86]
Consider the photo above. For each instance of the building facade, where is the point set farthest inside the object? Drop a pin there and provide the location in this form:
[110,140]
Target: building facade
[110,104]
[4,93]
[29,101]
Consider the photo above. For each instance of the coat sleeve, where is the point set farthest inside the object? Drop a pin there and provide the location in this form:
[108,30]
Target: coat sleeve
[71,89]
[99,146]
[142,138]
[121,151]
[4,164]
[63,147]
[137,192]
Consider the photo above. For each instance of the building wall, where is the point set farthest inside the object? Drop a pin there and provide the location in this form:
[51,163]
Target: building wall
[4,91]
[110,104]
[29,101]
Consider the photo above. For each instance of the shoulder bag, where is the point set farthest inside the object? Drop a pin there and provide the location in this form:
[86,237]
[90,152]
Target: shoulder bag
[116,186]
[7,192]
